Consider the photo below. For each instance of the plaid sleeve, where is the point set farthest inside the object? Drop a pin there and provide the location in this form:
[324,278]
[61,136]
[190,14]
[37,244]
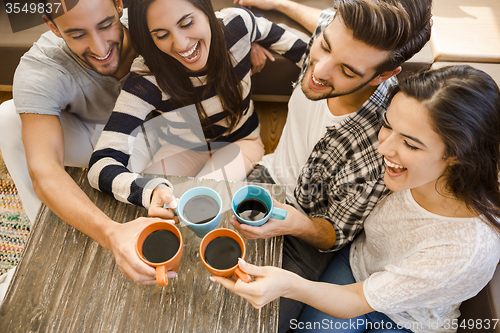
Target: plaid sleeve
[343,178]
[346,207]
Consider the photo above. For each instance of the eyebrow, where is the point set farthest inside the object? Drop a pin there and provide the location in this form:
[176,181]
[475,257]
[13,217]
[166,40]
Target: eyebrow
[178,22]
[78,30]
[405,135]
[352,69]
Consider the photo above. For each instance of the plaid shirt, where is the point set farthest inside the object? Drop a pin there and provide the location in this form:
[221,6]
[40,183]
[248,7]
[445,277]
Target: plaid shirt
[343,177]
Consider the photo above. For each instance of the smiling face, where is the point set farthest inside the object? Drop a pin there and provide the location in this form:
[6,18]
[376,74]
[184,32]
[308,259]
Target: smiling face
[339,64]
[93,32]
[180,30]
[413,152]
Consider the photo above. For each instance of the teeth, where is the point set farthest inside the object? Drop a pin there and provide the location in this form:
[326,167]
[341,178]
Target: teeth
[106,57]
[316,81]
[188,53]
[393,165]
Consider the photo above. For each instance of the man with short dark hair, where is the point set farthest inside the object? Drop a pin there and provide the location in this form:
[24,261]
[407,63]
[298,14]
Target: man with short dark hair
[64,91]
[327,155]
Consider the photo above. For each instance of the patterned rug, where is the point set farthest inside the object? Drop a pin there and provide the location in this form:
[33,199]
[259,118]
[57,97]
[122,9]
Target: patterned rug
[14,223]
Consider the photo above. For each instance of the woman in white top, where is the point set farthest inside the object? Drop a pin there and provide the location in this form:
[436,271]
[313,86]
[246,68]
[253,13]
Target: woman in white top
[431,244]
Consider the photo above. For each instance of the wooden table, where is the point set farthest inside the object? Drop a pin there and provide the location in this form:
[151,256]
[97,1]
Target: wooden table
[66,282]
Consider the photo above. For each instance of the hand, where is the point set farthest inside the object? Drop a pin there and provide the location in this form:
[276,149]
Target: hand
[122,241]
[258,57]
[272,227]
[262,4]
[269,283]
[162,195]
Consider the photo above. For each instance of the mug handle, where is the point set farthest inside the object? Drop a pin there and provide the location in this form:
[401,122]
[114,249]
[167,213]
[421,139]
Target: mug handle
[175,211]
[161,277]
[278,214]
[242,275]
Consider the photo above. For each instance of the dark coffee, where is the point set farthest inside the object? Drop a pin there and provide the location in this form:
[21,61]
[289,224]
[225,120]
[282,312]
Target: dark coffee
[252,209]
[201,209]
[160,246]
[222,253]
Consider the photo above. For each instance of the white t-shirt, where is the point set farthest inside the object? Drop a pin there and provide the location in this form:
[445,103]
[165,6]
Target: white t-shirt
[418,266]
[306,124]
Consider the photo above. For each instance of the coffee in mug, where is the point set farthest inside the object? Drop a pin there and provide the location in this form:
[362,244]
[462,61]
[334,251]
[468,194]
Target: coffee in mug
[160,246]
[252,209]
[201,209]
[222,253]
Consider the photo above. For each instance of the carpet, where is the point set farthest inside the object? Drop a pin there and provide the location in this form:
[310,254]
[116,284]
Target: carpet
[14,223]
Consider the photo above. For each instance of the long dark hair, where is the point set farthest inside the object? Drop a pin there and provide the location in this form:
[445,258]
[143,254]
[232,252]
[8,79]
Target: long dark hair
[172,77]
[464,108]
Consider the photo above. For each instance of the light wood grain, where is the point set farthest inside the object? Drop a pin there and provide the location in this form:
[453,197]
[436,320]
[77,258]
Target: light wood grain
[465,30]
[66,282]
[272,117]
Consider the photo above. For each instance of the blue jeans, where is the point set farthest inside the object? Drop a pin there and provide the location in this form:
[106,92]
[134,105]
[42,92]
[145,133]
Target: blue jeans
[339,272]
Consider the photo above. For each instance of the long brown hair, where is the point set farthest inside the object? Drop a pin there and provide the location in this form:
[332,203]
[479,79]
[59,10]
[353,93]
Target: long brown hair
[464,108]
[172,77]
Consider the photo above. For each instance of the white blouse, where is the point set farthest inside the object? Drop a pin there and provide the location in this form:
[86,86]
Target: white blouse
[418,266]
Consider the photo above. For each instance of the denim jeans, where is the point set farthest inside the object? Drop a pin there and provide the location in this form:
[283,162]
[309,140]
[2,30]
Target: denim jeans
[339,272]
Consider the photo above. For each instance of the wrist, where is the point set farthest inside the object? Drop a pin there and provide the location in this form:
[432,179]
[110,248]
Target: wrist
[299,222]
[108,231]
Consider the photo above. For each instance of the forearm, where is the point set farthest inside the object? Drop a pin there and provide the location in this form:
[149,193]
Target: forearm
[316,231]
[59,192]
[307,16]
[344,302]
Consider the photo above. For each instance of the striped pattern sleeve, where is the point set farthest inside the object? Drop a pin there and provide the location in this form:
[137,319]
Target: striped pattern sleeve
[261,30]
[108,170]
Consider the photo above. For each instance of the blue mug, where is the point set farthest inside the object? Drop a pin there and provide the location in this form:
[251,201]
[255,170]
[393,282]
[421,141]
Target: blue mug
[259,193]
[200,229]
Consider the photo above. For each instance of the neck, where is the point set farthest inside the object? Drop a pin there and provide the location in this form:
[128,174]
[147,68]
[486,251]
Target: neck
[127,56]
[433,198]
[345,104]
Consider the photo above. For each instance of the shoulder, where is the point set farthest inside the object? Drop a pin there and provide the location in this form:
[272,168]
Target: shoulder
[235,14]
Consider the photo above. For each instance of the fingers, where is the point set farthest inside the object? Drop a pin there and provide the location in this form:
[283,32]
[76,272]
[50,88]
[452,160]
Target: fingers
[167,214]
[246,230]
[168,198]
[227,283]
[268,54]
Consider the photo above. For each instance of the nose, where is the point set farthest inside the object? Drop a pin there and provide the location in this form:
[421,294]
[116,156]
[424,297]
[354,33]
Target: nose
[180,42]
[323,69]
[99,46]
[386,146]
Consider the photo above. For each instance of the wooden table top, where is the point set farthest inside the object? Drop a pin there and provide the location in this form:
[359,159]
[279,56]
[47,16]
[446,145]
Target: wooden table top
[66,282]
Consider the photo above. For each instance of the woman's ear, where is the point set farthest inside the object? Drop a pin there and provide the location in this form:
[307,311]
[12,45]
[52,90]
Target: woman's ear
[384,76]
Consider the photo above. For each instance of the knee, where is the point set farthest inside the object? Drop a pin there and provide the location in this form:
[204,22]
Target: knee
[10,124]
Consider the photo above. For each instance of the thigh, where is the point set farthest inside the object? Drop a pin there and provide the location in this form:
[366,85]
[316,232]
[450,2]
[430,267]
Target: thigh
[78,137]
[177,161]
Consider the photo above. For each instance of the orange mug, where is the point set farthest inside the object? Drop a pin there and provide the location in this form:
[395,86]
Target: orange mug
[160,245]
[224,251]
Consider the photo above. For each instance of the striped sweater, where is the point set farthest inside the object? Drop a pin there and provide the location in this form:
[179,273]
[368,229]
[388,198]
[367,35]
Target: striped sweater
[141,97]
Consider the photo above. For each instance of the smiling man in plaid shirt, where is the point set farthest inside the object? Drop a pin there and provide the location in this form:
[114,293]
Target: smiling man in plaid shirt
[327,156]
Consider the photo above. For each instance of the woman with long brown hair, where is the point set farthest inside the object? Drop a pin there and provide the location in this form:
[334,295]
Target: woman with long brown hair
[192,85]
